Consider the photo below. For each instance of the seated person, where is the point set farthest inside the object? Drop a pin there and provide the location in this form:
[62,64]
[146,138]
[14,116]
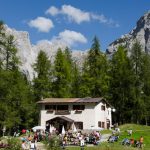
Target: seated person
[131,141]
[125,141]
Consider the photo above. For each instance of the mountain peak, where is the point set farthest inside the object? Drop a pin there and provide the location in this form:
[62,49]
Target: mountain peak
[141,33]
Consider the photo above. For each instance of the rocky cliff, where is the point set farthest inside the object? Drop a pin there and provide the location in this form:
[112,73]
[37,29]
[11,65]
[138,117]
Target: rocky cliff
[141,33]
[28,52]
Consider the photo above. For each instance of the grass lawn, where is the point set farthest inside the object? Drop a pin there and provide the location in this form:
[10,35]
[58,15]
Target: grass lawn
[138,130]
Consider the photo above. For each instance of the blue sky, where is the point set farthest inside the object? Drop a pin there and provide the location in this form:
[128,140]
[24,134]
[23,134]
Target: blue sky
[74,22]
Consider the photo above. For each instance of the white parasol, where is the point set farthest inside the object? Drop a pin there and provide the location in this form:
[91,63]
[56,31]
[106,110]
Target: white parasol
[51,129]
[38,128]
[74,129]
[63,130]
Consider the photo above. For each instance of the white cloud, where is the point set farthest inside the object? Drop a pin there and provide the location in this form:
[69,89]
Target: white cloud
[42,24]
[72,13]
[53,11]
[75,14]
[64,39]
[102,19]
[112,23]
[70,38]
[78,16]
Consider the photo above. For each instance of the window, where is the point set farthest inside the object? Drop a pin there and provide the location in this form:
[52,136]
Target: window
[103,107]
[101,124]
[62,107]
[50,107]
[78,107]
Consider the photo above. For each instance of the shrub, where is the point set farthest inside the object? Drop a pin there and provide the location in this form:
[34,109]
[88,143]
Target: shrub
[13,144]
[53,143]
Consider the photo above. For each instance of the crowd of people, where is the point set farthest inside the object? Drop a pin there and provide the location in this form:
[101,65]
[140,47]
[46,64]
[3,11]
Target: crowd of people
[69,138]
[77,138]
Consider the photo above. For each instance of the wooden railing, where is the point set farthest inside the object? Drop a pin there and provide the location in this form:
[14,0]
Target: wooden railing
[78,111]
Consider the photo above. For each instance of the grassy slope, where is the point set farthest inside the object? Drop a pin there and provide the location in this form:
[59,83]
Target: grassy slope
[138,130]
[134,127]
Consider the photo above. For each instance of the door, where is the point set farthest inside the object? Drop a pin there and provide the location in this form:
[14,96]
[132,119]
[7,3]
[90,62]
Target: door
[108,123]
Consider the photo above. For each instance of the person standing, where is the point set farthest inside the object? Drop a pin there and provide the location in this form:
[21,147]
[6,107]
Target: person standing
[141,141]
[33,145]
[24,146]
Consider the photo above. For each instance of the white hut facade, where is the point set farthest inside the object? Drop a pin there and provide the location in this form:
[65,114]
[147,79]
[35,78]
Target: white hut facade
[84,113]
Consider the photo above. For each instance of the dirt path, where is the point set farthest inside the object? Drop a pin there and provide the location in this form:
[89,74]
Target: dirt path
[105,137]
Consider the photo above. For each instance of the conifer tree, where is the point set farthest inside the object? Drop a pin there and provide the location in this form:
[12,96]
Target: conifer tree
[137,63]
[76,81]
[43,80]
[94,75]
[15,100]
[121,86]
[68,56]
[145,93]
[85,87]
[62,74]
[69,66]
[11,61]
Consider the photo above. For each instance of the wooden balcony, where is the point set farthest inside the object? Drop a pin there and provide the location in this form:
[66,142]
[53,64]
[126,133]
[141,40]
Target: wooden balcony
[50,111]
[62,112]
[78,111]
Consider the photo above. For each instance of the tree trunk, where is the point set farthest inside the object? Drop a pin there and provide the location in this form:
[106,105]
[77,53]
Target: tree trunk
[146,121]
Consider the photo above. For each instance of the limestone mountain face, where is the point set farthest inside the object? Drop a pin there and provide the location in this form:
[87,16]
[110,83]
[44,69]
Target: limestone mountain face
[25,50]
[140,33]
[28,52]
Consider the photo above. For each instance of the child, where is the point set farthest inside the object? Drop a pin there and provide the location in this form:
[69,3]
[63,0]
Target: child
[32,145]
